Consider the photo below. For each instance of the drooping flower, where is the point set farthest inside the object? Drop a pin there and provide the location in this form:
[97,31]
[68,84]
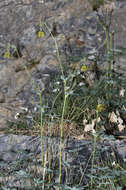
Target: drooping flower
[7,54]
[62,36]
[40,34]
[100,108]
[84,68]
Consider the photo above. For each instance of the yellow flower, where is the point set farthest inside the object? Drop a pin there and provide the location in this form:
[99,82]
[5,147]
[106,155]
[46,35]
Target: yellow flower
[7,55]
[84,68]
[100,108]
[63,36]
[40,34]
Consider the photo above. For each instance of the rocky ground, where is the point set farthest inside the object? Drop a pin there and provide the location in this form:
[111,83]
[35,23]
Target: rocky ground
[20,159]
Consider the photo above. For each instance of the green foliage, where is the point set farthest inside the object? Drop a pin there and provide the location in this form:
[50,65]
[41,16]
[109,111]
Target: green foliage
[83,98]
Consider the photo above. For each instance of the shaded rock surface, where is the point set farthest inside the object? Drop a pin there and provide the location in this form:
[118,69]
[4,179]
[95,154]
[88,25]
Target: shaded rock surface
[26,151]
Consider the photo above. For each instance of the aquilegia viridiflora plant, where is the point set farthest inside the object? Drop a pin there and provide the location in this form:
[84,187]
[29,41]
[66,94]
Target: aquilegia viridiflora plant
[76,97]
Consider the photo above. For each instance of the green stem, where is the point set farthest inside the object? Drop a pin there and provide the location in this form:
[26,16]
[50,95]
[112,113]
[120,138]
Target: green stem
[93,153]
[61,132]
[41,130]
[57,49]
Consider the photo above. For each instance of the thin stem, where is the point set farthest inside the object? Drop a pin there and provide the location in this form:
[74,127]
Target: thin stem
[64,103]
[57,49]
[93,153]
[61,131]
[41,130]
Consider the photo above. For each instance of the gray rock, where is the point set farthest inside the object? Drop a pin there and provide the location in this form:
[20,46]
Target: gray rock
[119,147]
[24,154]
[16,149]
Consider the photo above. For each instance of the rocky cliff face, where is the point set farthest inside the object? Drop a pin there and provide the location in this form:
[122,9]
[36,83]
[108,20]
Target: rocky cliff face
[77,32]
[72,24]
